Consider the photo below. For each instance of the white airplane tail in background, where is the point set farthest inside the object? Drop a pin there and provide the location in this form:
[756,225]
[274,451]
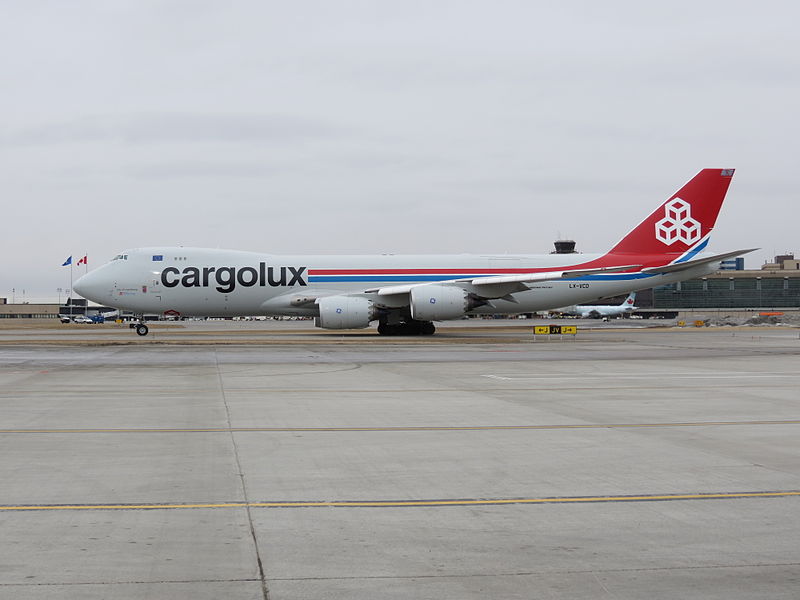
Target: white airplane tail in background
[629,301]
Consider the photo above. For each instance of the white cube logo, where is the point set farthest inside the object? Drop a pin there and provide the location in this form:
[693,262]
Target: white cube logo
[677,224]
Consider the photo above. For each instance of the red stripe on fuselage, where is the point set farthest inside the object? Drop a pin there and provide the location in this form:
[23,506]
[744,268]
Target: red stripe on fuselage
[412,271]
[608,260]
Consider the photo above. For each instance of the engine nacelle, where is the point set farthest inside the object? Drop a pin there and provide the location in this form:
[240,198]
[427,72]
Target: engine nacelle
[439,302]
[344,312]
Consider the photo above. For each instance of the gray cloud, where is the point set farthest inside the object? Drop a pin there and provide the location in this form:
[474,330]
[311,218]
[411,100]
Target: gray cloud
[173,128]
[375,127]
[203,169]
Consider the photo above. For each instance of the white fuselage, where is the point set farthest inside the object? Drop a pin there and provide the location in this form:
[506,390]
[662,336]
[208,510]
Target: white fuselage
[209,282]
[601,310]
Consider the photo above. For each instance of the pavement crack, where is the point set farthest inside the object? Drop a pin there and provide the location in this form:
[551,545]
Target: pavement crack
[240,473]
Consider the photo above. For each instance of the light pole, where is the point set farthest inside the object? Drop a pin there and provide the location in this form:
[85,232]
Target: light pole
[59,290]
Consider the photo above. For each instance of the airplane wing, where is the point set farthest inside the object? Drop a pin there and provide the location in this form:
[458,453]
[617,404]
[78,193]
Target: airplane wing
[548,276]
[681,266]
[502,285]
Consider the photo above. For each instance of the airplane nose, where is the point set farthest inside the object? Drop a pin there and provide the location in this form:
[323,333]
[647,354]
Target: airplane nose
[90,287]
[82,285]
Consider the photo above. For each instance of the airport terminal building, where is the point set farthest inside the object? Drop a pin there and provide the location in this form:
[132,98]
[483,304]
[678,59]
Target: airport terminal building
[775,285]
[26,310]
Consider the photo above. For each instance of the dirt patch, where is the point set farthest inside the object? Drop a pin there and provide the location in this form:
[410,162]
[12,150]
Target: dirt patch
[45,324]
[785,320]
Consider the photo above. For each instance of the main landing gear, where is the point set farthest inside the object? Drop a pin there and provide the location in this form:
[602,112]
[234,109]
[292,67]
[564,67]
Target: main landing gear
[406,328]
[140,327]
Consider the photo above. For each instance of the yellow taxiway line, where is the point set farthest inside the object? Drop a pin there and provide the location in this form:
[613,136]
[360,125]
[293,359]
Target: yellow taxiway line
[401,427]
[406,503]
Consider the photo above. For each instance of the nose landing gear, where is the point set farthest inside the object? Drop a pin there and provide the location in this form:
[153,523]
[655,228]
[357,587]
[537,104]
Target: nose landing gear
[140,327]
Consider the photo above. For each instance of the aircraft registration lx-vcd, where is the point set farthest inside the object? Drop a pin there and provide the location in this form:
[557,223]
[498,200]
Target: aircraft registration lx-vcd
[405,294]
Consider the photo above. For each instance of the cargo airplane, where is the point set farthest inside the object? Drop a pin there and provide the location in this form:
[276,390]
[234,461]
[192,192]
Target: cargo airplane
[405,294]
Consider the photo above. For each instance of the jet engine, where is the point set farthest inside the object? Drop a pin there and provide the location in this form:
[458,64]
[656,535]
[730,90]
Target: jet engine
[440,302]
[344,312]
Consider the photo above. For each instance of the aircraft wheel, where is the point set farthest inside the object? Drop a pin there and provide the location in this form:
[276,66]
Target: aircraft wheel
[416,328]
[386,329]
[407,328]
[141,329]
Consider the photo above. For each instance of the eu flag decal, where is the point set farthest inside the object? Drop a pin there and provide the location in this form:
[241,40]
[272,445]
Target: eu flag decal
[158,257]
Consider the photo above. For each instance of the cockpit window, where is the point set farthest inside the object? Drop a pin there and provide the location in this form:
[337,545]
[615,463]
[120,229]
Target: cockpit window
[120,257]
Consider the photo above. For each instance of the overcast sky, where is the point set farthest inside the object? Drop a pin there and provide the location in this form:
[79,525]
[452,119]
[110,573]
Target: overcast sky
[371,127]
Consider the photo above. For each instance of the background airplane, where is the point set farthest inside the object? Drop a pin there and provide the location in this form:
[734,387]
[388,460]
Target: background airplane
[405,294]
[600,310]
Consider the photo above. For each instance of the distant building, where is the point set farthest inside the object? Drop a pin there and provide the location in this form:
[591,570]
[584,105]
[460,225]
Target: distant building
[732,289]
[733,264]
[782,262]
[564,247]
[25,310]
[29,311]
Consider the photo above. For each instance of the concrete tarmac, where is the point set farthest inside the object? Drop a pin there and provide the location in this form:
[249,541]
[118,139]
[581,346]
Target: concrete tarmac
[479,463]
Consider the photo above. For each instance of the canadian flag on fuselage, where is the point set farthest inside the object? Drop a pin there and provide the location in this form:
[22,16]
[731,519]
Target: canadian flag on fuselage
[683,221]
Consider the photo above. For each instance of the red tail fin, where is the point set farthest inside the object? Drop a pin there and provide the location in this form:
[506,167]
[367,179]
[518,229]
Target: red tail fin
[683,220]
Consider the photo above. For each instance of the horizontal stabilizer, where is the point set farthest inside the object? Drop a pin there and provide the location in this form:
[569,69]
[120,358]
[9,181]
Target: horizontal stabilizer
[682,266]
